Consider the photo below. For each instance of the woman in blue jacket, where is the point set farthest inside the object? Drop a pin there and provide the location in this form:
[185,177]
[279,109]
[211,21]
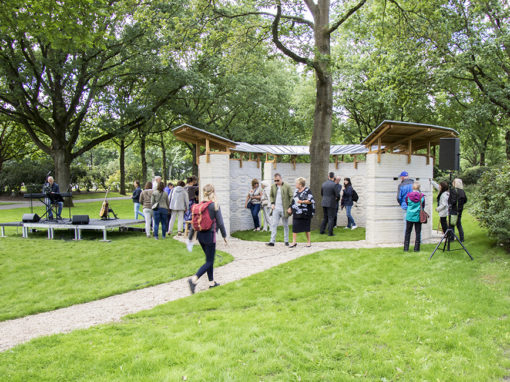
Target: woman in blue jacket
[415,202]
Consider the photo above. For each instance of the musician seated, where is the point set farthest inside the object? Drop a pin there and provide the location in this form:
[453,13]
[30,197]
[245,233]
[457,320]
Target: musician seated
[52,188]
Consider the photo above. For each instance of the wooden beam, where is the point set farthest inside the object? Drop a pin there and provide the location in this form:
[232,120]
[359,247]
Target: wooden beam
[293,161]
[404,140]
[275,160]
[379,150]
[378,135]
[241,160]
[207,151]
[336,162]
[197,153]
[258,160]
[409,151]
[428,153]
[355,161]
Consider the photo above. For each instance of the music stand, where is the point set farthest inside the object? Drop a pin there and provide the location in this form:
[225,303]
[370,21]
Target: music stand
[450,235]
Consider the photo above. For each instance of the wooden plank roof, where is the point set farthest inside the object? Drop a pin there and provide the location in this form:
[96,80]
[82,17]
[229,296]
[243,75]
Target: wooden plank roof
[393,134]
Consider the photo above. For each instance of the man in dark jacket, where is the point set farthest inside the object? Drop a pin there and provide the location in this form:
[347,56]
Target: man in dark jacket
[330,195]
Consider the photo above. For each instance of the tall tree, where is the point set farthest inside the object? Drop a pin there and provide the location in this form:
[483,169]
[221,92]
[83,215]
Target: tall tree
[306,41]
[58,61]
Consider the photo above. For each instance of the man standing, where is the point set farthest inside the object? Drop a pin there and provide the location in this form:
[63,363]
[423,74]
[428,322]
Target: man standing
[281,200]
[330,195]
[404,188]
[338,178]
[155,182]
[52,188]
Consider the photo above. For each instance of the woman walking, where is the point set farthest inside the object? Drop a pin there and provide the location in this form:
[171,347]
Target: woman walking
[347,203]
[253,200]
[302,210]
[136,199]
[178,204]
[159,200]
[207,239]
[457,199]
[415,202]
[442,205]
[265,205]
[145,201]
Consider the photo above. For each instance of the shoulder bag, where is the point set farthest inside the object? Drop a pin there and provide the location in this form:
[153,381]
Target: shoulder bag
[424,216]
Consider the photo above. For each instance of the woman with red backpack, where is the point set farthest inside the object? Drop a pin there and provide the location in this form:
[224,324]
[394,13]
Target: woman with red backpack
[206,220]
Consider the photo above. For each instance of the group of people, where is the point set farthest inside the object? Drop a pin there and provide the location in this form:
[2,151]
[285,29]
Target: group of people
[450,205]
[162,205]
[280,201]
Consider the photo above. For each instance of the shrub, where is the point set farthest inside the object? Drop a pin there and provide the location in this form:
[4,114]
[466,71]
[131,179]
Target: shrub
[471,175]
[492,204]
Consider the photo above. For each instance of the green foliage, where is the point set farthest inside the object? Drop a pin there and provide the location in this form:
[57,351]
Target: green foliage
[26,172]
[472,175]
[338,315]
[492,203]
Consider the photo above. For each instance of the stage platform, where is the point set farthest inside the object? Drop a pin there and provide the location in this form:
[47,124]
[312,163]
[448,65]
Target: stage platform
[52,225]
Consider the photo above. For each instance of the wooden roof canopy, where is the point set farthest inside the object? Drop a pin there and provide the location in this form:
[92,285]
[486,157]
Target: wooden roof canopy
[202,138]
[406,137]
[395,134]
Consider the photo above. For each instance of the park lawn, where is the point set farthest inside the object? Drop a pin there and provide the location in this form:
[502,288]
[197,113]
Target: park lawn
[340,234]
[97,195]
[337,315]
[39,275]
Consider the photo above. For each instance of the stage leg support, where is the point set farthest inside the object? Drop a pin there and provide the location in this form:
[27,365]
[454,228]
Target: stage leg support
[3,231]
[105,239]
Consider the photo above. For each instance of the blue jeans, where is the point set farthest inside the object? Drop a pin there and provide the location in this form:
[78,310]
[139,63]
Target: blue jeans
[60,205]
[255,209]
[350,220]
[160,216]
[137,211]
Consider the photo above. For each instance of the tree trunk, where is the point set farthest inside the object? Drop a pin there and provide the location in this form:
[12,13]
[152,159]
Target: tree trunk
[144,158]
[321,137]
[163,158]
[122,166]
[507,140]
[62,162]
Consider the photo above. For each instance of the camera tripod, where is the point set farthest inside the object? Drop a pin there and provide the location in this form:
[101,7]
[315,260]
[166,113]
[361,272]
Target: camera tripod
[450,235]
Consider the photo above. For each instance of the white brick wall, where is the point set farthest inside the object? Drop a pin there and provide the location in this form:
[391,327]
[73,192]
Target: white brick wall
[240,185]
[385,220]
[358,179]
[374,182]
[217,173]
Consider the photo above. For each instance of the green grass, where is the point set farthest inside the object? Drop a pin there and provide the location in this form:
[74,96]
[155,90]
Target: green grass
[38,275]
[6,203]
[337,315]
[97,195]
[341,234]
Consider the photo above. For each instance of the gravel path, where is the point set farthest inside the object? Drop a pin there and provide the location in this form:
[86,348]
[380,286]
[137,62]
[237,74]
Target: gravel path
[249,258]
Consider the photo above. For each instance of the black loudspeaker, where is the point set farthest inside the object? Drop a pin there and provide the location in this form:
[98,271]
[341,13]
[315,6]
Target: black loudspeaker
[30,218]
[449,154]
[80,219]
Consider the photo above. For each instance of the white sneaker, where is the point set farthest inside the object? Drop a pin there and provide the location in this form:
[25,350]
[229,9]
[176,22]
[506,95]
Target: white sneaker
[354,227]
[346,228]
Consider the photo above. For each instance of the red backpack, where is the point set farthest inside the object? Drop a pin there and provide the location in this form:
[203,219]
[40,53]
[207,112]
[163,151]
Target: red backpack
[201,220]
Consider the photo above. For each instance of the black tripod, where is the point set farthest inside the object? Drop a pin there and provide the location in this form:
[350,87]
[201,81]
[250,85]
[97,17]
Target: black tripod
[450,235]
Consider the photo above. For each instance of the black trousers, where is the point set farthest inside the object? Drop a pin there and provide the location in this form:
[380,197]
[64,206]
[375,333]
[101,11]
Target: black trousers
[444,223]
[210,252]
[459,227]
[409,229]
[328,219]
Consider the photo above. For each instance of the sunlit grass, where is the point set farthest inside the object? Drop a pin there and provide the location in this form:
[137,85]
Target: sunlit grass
[337,315]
